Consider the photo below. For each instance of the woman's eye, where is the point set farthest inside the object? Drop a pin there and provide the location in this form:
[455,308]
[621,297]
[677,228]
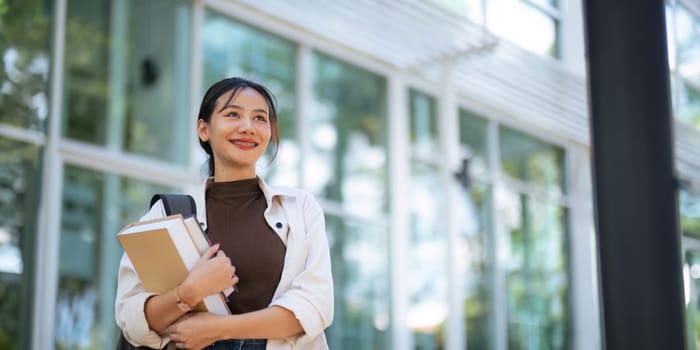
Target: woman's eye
[261,118]
[232,114]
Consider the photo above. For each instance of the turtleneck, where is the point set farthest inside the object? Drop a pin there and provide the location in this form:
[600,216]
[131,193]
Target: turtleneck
[235,218]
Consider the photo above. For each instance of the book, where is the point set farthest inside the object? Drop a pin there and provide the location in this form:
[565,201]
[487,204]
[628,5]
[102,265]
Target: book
[201,240]
[164,250]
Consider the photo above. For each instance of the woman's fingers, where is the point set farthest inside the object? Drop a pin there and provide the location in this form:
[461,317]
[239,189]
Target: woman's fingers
[214,275]
[192,332]
[213,271]
[211,251]
[171,332]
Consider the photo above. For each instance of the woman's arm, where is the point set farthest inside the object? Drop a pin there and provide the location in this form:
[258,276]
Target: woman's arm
[200,329]
[272,322]
[309,295]
[210,275]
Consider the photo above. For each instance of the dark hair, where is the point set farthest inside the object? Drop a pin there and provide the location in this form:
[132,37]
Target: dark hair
[232,86]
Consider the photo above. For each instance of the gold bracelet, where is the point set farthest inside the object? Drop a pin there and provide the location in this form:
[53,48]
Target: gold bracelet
[181,303]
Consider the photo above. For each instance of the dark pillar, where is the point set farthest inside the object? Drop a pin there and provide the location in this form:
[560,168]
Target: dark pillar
[640,278]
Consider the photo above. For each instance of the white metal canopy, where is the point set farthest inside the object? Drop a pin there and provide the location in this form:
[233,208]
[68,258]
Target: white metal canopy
[420,37]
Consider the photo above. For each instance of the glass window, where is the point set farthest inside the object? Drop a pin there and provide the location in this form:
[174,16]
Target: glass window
[424,128]
[346,164]
[524,24]
[19,195]
[233,49]
[24,54]
[674,82]
[472,9]
[552,3]
[428,253]
[670,35]
[687,44]
[689,208]
[475,256]
[473,137]
[691,280]
[428,250]
[528,159]
[126,76]
[476,251]
[536,272]
[689,205]
[95,207]
[347,130]
[360,268]
[688,107]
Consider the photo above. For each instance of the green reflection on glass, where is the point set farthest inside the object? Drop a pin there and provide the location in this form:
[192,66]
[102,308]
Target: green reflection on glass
[126,76]
[95,207]
[360,269]
[477,251]
[348,137]
[427,254]
[692,297]
[424,133]
[19,184]
[528,159]
[233,49]
[24,54]
[537,279]
[689,207]
[689,105]
[473,136]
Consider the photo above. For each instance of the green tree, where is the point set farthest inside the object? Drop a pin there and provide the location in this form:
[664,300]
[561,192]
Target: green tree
[24,46]
[24,51]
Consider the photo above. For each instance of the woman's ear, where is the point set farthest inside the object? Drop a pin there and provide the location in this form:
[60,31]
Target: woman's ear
[203,130]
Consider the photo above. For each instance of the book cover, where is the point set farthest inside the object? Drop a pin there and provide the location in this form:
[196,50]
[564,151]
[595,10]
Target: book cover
[163,252]
[202,242]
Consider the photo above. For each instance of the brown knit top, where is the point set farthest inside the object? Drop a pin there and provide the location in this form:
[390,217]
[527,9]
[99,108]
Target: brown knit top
[235,219]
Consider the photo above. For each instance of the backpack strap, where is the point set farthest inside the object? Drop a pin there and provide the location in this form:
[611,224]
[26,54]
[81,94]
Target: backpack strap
[176,204]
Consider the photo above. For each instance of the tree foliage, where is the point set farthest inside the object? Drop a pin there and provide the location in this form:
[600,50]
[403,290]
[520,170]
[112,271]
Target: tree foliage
[24,49]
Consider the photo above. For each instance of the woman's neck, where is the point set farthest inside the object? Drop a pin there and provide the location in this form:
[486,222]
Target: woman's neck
[228,174]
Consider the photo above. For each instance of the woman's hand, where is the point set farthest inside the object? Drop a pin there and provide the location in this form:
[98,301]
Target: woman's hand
[211,274]
[196,330]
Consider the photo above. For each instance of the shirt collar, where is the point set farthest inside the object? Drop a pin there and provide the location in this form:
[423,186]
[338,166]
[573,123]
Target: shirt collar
[269,191]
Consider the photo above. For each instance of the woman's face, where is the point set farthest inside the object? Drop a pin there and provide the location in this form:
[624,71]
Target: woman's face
[238,132]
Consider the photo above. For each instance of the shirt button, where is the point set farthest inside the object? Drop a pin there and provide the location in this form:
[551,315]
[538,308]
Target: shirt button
[279,225]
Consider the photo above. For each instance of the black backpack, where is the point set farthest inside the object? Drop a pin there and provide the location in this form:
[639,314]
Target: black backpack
[173,204]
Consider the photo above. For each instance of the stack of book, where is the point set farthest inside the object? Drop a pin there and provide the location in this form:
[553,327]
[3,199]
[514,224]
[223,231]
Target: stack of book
[164,250]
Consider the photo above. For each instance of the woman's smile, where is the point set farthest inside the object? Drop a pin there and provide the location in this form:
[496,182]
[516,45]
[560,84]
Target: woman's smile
[244,144]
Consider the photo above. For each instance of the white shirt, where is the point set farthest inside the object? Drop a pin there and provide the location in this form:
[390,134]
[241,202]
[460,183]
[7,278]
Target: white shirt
[305,287]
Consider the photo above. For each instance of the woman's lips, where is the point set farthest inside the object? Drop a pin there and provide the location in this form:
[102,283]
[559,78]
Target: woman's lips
[244,144]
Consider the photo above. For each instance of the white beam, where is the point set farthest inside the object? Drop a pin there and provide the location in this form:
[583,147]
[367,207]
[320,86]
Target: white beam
[133,166]
[498,246]
[585,313]
[49,213]
[399,170]
[448,125]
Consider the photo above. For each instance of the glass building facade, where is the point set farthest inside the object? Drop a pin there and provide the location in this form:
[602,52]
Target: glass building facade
[454,222]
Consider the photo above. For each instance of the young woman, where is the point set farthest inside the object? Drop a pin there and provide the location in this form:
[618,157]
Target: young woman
[270,242]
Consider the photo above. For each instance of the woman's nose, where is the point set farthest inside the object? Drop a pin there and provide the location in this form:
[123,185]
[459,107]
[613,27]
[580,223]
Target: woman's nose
[246,125]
